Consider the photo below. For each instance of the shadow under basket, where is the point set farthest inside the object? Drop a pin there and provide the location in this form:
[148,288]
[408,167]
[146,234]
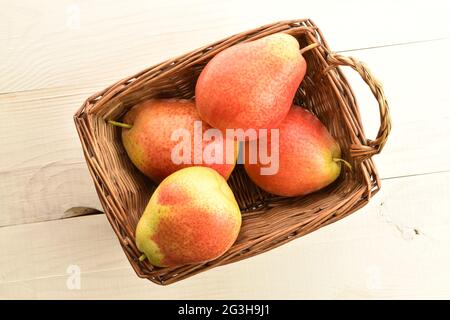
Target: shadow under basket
[268,221]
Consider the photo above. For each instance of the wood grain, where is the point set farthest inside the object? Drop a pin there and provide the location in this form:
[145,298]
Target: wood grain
[86,43]
[396,247]
[42,171]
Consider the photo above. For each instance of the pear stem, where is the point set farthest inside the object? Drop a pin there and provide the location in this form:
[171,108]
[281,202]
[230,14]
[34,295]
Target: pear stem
[120,124]
[344,162]
[142,257]
[309,47]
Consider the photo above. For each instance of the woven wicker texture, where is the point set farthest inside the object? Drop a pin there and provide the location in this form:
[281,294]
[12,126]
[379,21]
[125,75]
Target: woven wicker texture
[268,221]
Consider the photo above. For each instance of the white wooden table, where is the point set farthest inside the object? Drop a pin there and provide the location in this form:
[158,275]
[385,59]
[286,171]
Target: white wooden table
[55,53]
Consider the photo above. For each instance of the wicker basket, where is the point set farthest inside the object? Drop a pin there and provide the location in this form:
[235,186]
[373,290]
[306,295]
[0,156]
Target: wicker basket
[268,221]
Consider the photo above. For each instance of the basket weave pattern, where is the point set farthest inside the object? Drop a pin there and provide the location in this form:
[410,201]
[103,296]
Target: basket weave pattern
[268,221]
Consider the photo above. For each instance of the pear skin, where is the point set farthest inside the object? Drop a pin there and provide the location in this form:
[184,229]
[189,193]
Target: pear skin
[309,157]
[251,85]
[192,217]
[149,142]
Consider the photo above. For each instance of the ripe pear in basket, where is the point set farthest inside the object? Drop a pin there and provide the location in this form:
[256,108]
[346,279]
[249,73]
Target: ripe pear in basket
[309,158]
[153,132]
[192,217]
[251,85]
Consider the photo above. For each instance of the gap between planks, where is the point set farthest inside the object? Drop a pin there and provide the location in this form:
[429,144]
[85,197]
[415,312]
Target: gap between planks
[76,212]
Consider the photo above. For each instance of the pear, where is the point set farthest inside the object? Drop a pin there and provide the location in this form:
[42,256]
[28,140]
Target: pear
[192,217]
[148,138]
[251,85]
[309,158]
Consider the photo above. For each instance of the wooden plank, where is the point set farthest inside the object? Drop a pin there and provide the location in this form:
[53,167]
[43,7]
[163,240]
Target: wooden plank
[66,43]
[53,191]
[38,127]
[42,171]
[414,84]
[358,257]
[413,80]
[41,151]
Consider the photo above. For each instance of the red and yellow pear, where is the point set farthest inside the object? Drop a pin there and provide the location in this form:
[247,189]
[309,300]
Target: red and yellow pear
[192,217]
[251,85]
[309,158]
[148,138]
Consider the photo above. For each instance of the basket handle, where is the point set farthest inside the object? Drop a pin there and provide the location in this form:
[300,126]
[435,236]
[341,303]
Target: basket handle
[372,146]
